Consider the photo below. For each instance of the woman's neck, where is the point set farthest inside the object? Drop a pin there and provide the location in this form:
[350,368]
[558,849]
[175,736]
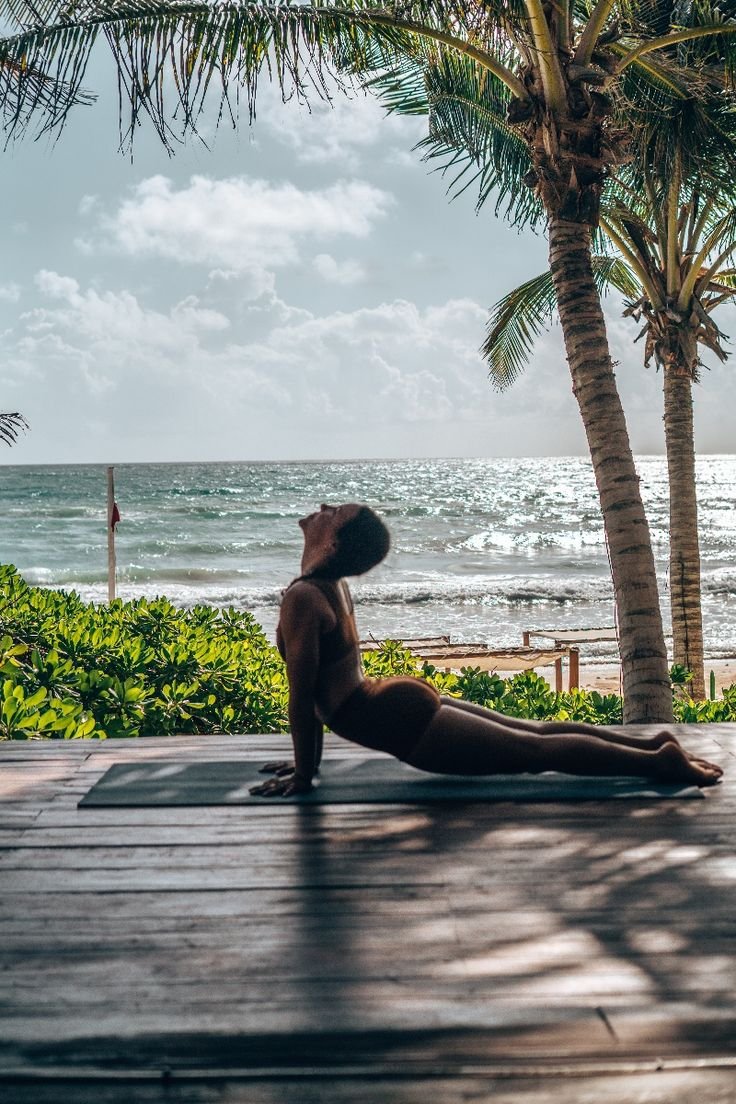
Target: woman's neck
[322,573]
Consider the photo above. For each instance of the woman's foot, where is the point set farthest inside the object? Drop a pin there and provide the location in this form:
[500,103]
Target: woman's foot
[660,739]
[673,764]
[705,763]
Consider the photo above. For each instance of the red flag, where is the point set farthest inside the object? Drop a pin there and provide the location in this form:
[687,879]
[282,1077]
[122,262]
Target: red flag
[115,516]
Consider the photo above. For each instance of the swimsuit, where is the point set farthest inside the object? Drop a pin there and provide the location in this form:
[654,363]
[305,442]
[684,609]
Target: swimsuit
[389,714]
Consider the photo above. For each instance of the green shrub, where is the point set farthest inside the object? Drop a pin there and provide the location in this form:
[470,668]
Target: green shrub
[69,669]
[141,668]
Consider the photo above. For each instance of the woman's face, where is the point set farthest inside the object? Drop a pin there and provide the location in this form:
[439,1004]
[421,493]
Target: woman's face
[328,519]
[321,528]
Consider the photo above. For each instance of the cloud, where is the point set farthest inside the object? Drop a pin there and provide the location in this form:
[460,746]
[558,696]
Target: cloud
[338,272]
[88,203]
[9,293]
[110,317]
[193,317]
[342,131]
[239,225]
[192,380]
[55,286]
[387,365]
[272,380]
[98,341]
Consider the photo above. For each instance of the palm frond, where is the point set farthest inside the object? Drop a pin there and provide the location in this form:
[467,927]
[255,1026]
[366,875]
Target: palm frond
[170,53]
[31,97]
[10,427]
[725,278]
[720,229]
[612,272]
[517,320]
[468,133]
[676,97]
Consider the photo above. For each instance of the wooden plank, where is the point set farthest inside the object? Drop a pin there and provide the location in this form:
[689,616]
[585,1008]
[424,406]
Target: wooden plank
[603,882]
[373,1086]
[561,856]
[295,1035]
[250,917]
[355,1012]
[307,968]
[401,830]
[232,746]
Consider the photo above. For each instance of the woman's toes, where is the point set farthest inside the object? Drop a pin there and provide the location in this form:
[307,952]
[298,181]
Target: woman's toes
[676,766]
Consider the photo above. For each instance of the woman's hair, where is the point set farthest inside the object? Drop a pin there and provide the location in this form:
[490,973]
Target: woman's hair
[362,543]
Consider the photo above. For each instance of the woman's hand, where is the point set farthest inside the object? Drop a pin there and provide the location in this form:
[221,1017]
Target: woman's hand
[283,786]
[280,767]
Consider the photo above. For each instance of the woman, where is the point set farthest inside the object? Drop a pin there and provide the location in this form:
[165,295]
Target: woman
[405,716]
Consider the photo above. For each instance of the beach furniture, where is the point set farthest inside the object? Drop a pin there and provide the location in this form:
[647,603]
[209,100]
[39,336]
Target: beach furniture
[440,651]
[571,639]
[372,644]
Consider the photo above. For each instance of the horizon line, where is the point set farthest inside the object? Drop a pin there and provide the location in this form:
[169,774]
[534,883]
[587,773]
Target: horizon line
[327,460]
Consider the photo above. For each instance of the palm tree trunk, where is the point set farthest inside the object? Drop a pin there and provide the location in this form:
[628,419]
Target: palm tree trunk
[646,684]
[685,602]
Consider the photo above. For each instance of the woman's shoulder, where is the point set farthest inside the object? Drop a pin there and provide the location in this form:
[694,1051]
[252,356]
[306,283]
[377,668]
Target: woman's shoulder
[306,592]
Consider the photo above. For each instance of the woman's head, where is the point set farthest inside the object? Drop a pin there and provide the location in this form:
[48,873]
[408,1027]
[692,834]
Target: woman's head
[343,540]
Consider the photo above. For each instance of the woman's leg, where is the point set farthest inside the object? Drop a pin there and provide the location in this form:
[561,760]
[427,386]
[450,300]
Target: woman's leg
[556,728]
[458,741]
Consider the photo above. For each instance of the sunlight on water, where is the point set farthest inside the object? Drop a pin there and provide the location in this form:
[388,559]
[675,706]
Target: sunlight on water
[482,548]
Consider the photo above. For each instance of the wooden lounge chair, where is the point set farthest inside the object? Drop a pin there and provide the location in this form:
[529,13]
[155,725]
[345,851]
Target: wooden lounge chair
[451,657]
[570,639]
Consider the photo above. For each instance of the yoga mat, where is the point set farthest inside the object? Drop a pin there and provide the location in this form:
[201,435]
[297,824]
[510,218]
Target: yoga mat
[354,781]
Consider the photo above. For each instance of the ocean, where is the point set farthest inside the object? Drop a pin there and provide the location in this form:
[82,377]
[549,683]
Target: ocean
[482,548]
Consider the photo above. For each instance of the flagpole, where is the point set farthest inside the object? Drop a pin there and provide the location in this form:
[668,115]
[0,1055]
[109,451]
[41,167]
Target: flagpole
[110,535]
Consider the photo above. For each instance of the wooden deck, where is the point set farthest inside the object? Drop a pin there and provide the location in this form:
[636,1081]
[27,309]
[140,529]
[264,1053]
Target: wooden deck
[535,953]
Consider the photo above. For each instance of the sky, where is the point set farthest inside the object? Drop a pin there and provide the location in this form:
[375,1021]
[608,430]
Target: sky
[301,288]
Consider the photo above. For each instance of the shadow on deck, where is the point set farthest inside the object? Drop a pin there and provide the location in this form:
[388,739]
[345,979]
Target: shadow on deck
[524,952]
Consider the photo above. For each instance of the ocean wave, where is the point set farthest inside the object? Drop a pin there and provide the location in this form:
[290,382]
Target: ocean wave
[720,583]
[454,590]
[486,590]
[168,574]
[205,492]
[95,512]
[212,585]
[180,594]
[497,626]
[135,575]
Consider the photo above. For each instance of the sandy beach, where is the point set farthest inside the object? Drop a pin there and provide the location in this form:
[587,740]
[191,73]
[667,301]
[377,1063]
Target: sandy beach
[605,677]
[600,674]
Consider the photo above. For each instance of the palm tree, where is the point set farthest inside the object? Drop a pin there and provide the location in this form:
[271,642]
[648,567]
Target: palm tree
[685,273]
[676,323]
[552,71]
[10,427]
[675,233]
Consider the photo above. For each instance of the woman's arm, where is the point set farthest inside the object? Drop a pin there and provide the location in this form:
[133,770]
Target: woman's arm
[302,615]
[319,740]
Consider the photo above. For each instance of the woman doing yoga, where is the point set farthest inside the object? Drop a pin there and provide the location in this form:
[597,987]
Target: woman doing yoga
[406,717]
